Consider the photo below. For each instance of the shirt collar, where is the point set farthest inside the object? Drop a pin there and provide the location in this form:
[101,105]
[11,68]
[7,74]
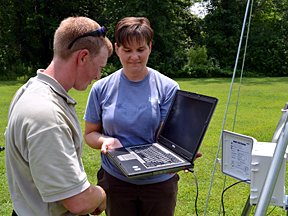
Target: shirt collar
[55,85]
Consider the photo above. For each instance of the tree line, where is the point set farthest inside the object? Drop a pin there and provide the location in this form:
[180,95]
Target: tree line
[184,44]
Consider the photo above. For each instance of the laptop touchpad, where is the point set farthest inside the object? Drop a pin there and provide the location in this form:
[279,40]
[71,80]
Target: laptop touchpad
[126,157]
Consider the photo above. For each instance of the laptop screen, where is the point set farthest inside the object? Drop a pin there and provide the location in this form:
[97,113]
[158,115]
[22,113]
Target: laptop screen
[187,122]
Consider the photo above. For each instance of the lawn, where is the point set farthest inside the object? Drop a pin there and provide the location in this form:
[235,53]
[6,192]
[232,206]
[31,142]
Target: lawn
[258,113]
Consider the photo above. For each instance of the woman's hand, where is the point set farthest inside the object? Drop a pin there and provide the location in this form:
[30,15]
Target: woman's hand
[186,171]
[198,155]
[110,143]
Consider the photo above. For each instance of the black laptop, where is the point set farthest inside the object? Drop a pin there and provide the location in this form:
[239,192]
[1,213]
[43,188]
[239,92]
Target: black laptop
[178,142]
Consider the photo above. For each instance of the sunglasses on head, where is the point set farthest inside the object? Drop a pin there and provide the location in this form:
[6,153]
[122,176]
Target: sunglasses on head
[97,33]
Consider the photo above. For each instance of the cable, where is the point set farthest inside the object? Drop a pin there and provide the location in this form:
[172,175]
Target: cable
[271,210]
[191,170]
[222,201]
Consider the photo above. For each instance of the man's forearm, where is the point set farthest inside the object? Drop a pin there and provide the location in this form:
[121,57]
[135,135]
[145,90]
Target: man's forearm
[87,201]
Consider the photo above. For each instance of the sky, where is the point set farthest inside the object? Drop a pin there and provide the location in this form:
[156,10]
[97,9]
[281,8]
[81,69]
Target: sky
[198,9]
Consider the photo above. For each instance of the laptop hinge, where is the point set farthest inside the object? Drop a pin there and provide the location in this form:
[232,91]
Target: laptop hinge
[186,157]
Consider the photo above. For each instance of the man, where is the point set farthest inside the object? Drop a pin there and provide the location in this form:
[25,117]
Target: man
[43,139]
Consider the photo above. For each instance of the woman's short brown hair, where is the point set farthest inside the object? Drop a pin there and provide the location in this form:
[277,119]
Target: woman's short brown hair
[71,28]
[130,28]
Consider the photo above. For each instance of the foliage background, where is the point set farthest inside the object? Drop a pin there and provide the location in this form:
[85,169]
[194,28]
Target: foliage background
[27,28]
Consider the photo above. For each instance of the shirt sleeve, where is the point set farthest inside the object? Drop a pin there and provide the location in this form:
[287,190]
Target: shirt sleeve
[56,169]
[167,101]
[93,112]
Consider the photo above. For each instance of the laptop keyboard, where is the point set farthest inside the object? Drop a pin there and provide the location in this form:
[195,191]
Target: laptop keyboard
[153,156]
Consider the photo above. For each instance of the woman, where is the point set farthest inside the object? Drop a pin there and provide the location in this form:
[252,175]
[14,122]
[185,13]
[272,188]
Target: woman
[126,108]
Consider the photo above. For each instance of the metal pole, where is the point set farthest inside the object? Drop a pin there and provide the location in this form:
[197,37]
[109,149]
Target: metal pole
[233,77]
[272,175]
[279,129]
[280,125]
[247,208]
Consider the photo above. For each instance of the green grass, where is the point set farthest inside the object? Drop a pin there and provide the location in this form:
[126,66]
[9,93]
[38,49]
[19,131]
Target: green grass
[258,113]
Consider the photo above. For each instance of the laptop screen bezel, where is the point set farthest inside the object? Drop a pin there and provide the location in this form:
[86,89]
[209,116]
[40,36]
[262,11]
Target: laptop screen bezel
[190,156]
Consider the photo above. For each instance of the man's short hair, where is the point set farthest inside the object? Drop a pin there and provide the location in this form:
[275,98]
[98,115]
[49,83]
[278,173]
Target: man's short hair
[71,28]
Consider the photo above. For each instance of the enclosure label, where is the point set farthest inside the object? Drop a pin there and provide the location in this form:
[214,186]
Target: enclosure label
[240,156]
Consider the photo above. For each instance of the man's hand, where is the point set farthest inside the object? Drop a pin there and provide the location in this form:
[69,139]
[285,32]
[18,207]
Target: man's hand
[110,143]
[102,206]
[100,209]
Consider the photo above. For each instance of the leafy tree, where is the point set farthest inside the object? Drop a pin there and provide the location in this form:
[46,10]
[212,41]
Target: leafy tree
[28,27]
[222,30]
[173,24]
[267,45]
[7,51]
[268,41]
[27,35]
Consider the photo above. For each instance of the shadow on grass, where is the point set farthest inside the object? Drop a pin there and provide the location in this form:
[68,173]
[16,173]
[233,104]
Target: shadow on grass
[245,80]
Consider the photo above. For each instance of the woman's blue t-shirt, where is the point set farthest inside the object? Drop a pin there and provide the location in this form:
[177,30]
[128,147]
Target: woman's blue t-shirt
[131,112]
